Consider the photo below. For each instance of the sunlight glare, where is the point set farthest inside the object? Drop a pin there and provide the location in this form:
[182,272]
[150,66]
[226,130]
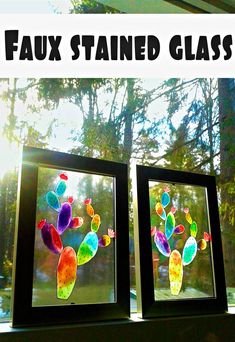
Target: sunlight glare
[9,157]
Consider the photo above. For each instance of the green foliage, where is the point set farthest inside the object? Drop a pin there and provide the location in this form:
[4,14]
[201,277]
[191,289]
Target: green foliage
[100,138]
[197,134]
[178,153]
[227,209]
[52,90]
[91,7]
[7,270]
[19,127]
[176,97]
[8,190]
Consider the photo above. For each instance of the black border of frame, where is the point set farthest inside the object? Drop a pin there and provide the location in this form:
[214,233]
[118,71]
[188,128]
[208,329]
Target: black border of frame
[148,305]
[23,314]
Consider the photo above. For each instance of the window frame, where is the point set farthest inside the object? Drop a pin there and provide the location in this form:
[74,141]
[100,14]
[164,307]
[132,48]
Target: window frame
[145,284]
[23,313]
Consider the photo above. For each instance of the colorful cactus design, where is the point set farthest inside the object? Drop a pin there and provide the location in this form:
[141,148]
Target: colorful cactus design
[162,239]
[69,260]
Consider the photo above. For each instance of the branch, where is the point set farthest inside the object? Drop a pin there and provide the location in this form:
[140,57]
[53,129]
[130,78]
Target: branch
[184,144]
[204,162]
[30,85]
[164,93]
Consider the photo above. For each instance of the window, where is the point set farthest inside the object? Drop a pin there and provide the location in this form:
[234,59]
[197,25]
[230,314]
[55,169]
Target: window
[120,120]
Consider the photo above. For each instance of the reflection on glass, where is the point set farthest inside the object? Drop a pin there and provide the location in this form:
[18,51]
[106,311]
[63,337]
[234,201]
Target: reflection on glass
[181,242]
[74,256]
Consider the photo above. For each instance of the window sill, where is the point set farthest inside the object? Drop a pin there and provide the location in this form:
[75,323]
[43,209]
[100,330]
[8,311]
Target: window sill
[215,327]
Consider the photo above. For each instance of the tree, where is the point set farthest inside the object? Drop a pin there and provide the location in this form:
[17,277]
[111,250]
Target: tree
[199,126]
[227,173]
[18,128]
[8,191]
[91,7]
[178,153]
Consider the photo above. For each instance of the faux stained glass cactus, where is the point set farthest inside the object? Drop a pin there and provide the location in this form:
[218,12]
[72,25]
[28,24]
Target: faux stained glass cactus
[60,206]
[175,236]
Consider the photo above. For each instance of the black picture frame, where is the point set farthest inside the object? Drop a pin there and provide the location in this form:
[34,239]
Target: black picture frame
[147,303]
[23,313]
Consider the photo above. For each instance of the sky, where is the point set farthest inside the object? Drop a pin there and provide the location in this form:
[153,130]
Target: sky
[67,116]
[34,6]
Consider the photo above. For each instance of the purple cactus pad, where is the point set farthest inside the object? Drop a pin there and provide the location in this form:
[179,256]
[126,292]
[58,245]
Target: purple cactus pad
[64,217]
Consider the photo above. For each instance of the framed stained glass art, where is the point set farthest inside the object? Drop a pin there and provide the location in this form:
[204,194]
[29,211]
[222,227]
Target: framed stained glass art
[71,257]
[179,244]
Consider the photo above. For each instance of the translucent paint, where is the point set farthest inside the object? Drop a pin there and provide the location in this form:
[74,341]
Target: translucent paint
[153,230]
[64,217]
[179,229]
[52,200]
[60,188]
[51,238]
[76,222]
[201,245]
[189,251]
[71,256]
[169,225]
[95,223]
[104,241]
[160,210]
[66,273]
[111,233]
[165,199]
[175,272]
[193,229]
[63,176]
[90,210]
[162,243]
[207,236]
[88,248]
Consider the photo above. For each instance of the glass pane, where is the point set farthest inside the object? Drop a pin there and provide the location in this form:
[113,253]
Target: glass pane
[8,191]
[181,248]
[79,213]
